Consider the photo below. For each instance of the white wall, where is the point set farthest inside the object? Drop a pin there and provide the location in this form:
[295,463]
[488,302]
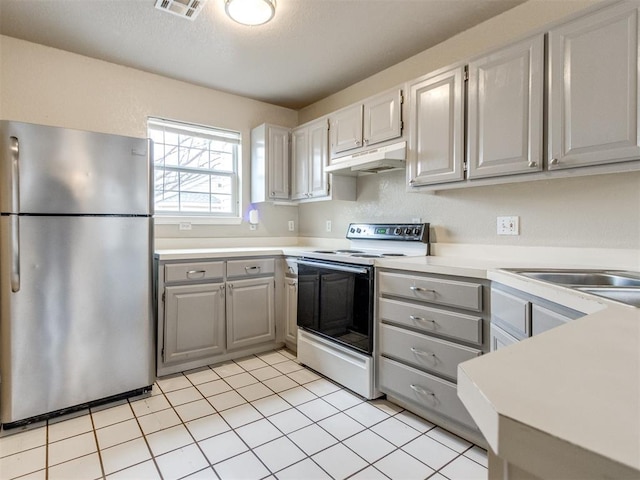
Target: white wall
[599,211]
[52,87]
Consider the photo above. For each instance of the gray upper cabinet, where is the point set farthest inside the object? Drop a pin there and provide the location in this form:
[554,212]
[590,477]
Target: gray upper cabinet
[505,111]
[269,163]
[382,118]
[346,130]
[593,98]
[310,147]
[376,120]
[436,128]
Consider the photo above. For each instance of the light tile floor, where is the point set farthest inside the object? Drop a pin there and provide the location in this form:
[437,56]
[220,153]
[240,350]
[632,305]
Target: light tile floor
[263,416]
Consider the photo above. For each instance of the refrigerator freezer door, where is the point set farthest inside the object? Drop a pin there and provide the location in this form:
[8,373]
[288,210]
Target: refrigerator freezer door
[80,326]
[62,171]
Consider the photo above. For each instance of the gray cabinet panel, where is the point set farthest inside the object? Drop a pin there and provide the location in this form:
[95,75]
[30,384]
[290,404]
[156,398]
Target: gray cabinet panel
[505,105]
[198,271]
[269,163]
[382,118]
[500,338]
[346,130]
[543,319]
[318,158]
[421,351]
[432,290]
[250,312]
[431,320]
[249,267]
[436,129]
[291,308]
[194,321]
[511,312]
[593,97]
[299,163]
[425,390]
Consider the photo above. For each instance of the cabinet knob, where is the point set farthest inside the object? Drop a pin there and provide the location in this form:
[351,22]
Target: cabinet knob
[412,181]
[358,142]
[554,161]
[366,141]
[273,194]
[533,164]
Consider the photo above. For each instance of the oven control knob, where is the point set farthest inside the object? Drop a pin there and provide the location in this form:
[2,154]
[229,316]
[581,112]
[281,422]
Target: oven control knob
[359,230]
[352,230]
[407,231]
[397,231]
[416,231]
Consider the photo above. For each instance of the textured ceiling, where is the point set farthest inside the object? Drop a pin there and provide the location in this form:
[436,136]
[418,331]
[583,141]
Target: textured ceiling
[312,48]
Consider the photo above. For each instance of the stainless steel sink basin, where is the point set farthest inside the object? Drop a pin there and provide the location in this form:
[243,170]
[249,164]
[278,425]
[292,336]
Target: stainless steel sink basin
[584,278]
[630,296]
[618,285]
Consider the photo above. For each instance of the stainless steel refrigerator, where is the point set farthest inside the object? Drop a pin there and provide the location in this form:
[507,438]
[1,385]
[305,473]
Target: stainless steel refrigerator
[76,233]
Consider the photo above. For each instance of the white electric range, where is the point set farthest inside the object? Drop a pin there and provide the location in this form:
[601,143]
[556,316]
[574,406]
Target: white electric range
[336,300]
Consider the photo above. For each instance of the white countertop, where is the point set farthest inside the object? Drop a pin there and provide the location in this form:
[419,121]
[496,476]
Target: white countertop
[570,395]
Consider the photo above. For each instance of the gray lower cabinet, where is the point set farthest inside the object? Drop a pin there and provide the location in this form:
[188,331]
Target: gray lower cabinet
[426,325]
[291,312]
[516,315]
[250,312]
[211,311]
[194,321]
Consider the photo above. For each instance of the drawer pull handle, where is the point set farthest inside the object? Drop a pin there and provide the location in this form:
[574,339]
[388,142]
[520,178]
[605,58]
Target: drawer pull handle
[423,353]
[200,273]
[421,319]
[413,288]
[420,390]
[257,268]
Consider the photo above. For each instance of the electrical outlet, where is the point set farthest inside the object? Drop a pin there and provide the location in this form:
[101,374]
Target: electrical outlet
[328,225]
[292,225]
[509,225]
[416,220]
[185,226]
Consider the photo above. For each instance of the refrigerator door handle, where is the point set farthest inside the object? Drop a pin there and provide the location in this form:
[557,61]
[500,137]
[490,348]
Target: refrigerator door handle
[15,175]
[15,253]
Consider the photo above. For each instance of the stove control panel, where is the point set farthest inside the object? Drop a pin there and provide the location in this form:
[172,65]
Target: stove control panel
[408,232]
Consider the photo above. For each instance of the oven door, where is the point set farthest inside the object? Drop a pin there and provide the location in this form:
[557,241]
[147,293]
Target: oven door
[335,301]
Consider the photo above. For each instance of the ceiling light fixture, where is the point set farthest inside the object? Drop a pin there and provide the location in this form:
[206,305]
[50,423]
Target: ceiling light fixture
[250,12]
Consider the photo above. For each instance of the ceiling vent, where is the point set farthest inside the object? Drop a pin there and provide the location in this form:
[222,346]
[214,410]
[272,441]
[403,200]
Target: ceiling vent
[182,8]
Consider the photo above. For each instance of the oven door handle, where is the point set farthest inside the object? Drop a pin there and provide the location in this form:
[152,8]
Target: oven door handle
[332,266]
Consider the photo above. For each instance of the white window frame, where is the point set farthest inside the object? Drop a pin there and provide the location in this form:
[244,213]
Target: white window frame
[226,218]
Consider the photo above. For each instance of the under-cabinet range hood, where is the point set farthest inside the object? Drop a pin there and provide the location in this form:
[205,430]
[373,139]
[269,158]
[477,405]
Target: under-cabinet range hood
[376,160]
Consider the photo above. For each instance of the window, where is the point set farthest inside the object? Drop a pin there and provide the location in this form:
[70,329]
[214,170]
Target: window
[196,169]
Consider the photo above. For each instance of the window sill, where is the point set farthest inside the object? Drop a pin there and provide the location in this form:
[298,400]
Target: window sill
[170,220]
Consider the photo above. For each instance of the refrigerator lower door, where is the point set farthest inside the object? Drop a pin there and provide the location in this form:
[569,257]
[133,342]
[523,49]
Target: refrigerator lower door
[79,327]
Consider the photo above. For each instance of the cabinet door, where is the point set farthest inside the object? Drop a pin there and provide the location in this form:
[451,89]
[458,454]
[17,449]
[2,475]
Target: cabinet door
[543,319]
[291,309]
[250,312]
[500,339]
[194,321]
[504,134]
[346,130]
[436,132]
[318,159]
[300,163]
[383,117]
[593,98]
[278,162]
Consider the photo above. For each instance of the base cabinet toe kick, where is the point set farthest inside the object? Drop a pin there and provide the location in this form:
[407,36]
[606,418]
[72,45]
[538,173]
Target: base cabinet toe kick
[425,326]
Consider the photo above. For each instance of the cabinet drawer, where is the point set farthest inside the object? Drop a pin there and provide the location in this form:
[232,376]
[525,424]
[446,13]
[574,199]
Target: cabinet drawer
[433,290]
[423,390]
[432,320]
[248,267]
[185,272]
[424,352]
[512,313]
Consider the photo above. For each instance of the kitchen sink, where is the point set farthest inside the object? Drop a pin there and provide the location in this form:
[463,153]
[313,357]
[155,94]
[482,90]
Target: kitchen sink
[584,278]
[630,296]
[618,285]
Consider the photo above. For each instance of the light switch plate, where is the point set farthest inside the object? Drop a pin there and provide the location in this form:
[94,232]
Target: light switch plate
[328,225]
[292,225]
[508,225]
